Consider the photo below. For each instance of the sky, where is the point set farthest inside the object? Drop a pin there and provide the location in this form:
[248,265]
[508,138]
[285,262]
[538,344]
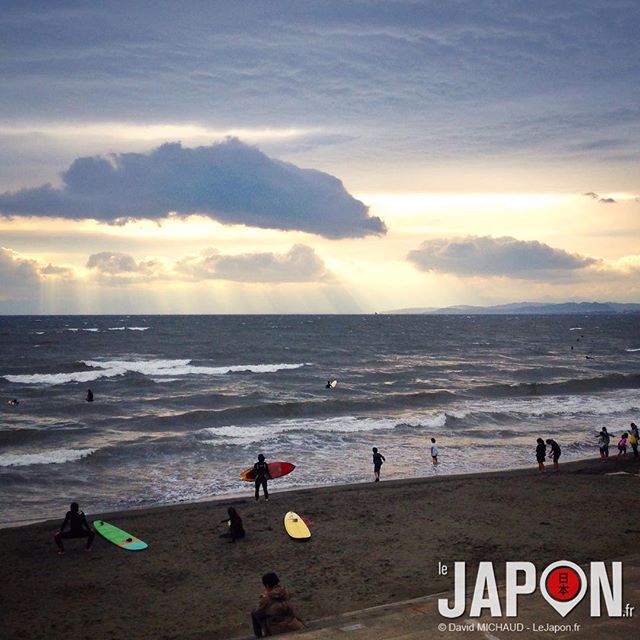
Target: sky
[317,156]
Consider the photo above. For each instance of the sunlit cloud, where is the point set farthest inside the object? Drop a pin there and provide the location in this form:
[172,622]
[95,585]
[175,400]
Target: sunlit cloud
[504,256]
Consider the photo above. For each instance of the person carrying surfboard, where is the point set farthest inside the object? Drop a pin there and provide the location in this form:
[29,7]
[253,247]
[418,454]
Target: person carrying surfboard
[78,528]
[262,475]
[274,613]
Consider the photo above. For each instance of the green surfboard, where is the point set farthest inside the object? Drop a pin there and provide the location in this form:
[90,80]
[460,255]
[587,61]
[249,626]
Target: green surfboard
[119,537]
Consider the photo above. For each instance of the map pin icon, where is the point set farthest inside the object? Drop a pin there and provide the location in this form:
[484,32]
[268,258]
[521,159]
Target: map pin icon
[563,584]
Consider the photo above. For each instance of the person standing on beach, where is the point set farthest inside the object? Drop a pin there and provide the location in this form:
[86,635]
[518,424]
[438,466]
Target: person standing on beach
[555,452]
[434,451]
[541,452]
[78,528]
[633,439]
[262,475]
[603,441]
[378,459]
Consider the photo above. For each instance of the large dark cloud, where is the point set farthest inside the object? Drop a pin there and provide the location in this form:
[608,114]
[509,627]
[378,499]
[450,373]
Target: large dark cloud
[504,256]
[230,182]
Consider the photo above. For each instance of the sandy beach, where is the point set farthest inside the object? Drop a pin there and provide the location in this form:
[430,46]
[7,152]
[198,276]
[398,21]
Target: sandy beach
[371,544]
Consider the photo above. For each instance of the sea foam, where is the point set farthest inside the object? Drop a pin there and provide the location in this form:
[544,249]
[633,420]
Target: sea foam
[57,456]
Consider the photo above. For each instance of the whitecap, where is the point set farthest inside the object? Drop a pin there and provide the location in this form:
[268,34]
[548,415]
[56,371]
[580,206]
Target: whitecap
[57,456]
[632,350]
[137,328]
[576,329]
[117,328]
[92,329]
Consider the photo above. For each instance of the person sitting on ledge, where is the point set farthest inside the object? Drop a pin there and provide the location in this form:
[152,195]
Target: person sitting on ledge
[274,614]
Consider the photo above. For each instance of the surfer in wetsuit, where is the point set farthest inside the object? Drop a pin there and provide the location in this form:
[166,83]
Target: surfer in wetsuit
[262,475]
[89,395]
[78,528]
[378,459]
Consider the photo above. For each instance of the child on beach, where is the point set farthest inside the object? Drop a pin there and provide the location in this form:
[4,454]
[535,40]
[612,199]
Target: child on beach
[622,444]
[434,451]
[262,475]
[78,528]
[554,453]
[378,459]
[274,613]
[236,530]
[541,451]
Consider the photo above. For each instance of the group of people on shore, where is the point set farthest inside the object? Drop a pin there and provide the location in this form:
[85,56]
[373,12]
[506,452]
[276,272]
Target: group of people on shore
[626,439]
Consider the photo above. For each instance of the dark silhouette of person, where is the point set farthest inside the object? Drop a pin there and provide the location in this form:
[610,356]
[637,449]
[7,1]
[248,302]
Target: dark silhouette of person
[378,459]
[89,395]
[274,613]
[541,452]
[262,475]
[78,528]
[556,452]
[236,530]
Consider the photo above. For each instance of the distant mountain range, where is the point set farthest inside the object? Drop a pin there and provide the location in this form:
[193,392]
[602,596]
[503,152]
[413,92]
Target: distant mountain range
[527,308]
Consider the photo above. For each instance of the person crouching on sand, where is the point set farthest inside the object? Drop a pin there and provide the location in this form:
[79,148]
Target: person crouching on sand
[78,528]
[541,452]
[554,454]
[274,613]
[378,459]
[434,451]
[236,530]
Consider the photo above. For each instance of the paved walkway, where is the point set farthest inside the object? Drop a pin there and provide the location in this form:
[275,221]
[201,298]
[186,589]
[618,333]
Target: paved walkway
[419,619]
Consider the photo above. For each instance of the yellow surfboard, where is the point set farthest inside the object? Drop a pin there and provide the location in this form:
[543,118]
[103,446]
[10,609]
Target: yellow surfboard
[296,526]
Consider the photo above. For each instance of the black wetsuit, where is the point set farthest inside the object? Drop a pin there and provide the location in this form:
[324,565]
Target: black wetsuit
[262,474]
[541,451]
[78,528]
[555,450]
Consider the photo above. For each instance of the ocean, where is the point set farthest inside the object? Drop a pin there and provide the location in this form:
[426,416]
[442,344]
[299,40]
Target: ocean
[183,404]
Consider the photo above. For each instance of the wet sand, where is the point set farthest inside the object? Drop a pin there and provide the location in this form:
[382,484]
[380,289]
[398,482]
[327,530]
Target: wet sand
[371,544]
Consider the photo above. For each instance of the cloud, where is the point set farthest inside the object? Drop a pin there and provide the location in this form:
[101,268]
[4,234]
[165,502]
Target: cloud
[16,272]
[115,268]
[504,256]
[595,196]
[231,182]
[299,264]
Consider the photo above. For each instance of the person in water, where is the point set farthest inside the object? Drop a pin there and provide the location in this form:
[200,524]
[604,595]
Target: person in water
[603,442]
[78,528]
[434,451]
[541,452]
[554,454]
[274,613]
[236,530]
[13,402]
[378,459]
[89,395]
[262,475]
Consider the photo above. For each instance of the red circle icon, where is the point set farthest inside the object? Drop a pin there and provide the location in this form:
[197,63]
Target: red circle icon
[563,583]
